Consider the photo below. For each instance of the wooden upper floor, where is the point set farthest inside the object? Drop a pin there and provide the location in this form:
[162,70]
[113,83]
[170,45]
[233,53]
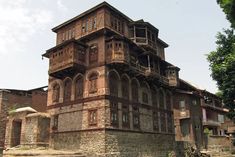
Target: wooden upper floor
[105,16]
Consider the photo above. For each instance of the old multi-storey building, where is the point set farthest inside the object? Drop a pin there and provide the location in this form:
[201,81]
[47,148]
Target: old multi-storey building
[110,87]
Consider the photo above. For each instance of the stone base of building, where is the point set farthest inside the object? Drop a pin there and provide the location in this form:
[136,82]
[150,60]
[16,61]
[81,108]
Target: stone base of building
[115,143]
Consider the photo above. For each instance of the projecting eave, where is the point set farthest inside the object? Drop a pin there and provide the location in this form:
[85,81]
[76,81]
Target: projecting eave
[103,4]
[163,43]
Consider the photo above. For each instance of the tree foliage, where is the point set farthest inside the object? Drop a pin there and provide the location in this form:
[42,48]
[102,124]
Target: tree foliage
[228,7]
[222,65]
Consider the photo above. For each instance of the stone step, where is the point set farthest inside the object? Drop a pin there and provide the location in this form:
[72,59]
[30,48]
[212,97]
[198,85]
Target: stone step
[41,153]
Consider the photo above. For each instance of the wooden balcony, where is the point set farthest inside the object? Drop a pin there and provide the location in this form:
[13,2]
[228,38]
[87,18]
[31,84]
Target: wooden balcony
[182,114]
[148,72]
[117,56]
[144,42]
[210,122]
[66,59]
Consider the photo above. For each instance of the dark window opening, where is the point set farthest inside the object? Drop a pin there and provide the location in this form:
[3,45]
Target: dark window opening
[93,54]
[92,117]
[79,87]
[67,90]
[140,32]
[125,116]
[114,114]
[93,83]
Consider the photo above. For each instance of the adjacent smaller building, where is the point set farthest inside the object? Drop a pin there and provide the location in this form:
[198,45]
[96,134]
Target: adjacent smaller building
[213,113]
[12,99]
[26,126]
[187,114]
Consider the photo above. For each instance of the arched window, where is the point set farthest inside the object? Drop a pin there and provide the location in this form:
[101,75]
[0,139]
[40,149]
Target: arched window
[113,84]
[67,90]
[79,87]
[93,83]
[168,101]
[161,99]
[154,98]
[125,87]
[134,91]
[145,96]
[56,93]
[156,121]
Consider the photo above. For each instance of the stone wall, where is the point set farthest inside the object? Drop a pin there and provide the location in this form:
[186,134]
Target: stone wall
[92,141]
[219,142]
[137,144]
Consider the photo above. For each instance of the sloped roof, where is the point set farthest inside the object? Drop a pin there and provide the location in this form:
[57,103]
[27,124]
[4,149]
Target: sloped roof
[24,109]
[103,4]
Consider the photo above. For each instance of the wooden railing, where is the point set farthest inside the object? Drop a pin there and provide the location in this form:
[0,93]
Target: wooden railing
[144,41]
[65,63]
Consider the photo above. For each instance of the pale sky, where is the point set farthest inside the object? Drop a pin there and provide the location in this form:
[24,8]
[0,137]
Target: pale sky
[188,26]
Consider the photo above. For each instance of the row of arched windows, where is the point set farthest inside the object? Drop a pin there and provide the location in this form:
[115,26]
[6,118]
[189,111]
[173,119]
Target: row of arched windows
[77,83]
[115,82]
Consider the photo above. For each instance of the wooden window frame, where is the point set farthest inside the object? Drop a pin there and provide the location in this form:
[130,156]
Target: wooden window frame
[114,110]
[93,83]
[57,96]
[136,115]
[93,54]
[67,97]
[79,92]
[92,122]
[125,116]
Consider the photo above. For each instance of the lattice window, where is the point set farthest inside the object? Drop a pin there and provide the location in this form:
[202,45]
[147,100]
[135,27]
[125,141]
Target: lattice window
[114,114]
[136,117]
[56,93]
[125,88]
[92,117]
[79,87]
[125,116]
[93,54]
[93,83]
[67,90]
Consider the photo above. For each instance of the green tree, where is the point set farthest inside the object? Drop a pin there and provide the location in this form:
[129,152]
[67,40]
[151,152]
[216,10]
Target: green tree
[228,7]
[222,65]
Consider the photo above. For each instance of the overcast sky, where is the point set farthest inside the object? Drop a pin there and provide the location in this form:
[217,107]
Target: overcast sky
[188,26]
